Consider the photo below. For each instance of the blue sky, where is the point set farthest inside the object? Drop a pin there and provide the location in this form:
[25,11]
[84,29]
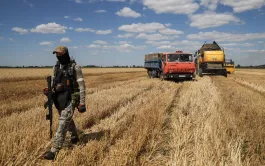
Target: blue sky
[121,32]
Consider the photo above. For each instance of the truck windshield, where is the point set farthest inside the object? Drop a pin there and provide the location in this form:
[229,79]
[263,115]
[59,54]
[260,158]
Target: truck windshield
[179,58]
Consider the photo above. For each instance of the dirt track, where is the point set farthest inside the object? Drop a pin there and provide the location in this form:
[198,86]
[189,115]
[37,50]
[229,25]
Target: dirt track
[134,120]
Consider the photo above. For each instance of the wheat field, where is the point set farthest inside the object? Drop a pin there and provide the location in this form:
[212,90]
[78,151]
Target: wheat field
[134,120]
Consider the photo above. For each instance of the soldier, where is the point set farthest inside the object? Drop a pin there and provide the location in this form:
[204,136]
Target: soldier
[69,93]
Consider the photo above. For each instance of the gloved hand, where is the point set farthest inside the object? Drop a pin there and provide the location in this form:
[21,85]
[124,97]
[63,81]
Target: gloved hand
[45,91]
[81,108]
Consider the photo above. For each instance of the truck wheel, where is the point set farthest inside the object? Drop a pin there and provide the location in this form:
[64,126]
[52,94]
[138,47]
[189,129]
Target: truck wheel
[162,76]
[149,74]
[200,72]
[158,74]
[225,73]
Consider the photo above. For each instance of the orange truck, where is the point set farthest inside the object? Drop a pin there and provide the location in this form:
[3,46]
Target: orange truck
[176,65]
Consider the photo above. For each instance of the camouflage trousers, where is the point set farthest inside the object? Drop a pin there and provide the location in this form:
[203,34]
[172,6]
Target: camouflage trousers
[66,123]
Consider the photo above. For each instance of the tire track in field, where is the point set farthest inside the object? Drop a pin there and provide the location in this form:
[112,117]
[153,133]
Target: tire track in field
[253,87]
[11,107]
[146,126]
[25,126]
[107,130]
[245,117]
[8,80]
[160,153]
[109,111]
[194,130]
[106,86]
[26,89]
[116,125]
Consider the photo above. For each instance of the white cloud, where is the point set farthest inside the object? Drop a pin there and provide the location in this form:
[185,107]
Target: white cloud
[75,47]
[254,51]
[165,47]
[158,43]
[124,42]
[210,4]
[99,32]
[126,35]
[91,1]
[78,1]
[11,39]
[46,43]
[138,28]
[187,46]
[103,32]
[100,11]
[66,17]
[116,0]
[237,5]
[20,30]
[70,28]
[78,19]
[207,20]
[100,42]
[128,47]
[49,28]
[236,44]
[222,36]
[84,30]
[29,4]
[94,46]
[243,5]
[65,39]
[168,25]
[127,12]
[154,36]
[122,47]
[1,38]
[172,6]
[168,31]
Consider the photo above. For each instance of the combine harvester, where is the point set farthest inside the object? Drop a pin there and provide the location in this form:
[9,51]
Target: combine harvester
[230,66]
[210,59]
[176,65]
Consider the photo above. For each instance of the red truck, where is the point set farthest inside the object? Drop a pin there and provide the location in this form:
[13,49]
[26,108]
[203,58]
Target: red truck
[175,65]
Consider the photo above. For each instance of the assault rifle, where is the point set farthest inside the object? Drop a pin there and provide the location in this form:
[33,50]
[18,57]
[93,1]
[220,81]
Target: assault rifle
[49,103]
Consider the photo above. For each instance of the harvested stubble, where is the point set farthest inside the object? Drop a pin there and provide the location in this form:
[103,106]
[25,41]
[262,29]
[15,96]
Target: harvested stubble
[133,120]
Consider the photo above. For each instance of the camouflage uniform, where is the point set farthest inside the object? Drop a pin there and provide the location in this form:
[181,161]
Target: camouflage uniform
[66,123]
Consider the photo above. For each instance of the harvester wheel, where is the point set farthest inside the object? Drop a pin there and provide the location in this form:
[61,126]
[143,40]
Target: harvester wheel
[200,72]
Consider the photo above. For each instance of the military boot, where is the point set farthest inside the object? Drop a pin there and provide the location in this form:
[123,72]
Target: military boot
[75,140]
[49,155]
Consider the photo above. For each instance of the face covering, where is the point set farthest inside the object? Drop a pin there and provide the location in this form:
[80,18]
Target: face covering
[64,59]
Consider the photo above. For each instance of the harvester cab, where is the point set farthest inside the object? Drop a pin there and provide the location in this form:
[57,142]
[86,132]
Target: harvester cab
[210,59]
[230,66]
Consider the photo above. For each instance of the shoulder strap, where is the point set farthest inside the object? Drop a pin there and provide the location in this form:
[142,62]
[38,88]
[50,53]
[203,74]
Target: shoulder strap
[56,67]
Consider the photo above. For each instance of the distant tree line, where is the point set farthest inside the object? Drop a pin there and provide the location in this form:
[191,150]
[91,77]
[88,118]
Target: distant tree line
[87,66]
[251,66]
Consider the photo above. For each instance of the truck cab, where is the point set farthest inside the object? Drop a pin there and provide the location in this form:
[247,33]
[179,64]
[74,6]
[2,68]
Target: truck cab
[178,65]
[173,65]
